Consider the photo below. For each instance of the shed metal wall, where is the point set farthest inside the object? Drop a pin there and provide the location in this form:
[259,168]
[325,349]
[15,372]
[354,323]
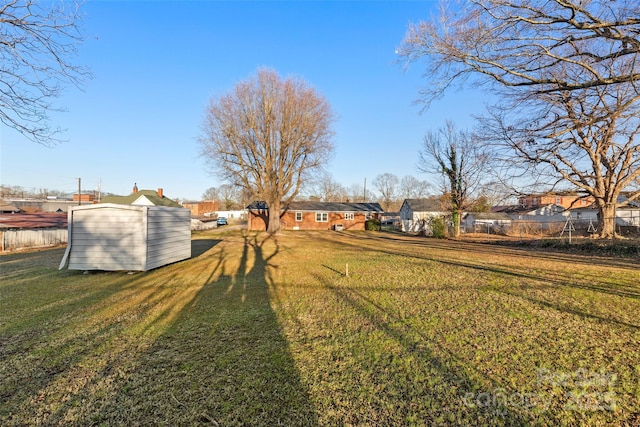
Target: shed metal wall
[123,237]
[168,236]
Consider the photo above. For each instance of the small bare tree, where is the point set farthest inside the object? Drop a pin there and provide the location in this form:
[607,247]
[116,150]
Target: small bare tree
[388,185]
[325,188]
[456,156]
[211,193]
[567,79]
[412,188]
[359,193]
[37,41]
[268,135]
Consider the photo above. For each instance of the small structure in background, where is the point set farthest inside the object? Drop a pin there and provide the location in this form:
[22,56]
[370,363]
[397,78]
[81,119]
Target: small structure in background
[8,207]
[116,237]
[416,215]
[486,222]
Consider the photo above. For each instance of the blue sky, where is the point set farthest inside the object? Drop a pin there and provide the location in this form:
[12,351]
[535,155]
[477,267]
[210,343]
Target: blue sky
[156,65]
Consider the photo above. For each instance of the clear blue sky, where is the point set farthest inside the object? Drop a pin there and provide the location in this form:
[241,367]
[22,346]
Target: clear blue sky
[156,64]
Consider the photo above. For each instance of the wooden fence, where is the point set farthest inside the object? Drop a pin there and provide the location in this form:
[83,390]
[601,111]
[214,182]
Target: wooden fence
[22,239]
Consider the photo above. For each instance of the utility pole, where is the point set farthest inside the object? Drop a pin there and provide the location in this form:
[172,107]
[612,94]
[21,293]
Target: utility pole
[79,193]
[364,194]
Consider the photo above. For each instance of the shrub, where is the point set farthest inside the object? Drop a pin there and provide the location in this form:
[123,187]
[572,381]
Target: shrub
[438,228]
[372,225]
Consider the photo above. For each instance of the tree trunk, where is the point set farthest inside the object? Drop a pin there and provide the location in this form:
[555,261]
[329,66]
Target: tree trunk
[607,220]
[455,217]
[273,226]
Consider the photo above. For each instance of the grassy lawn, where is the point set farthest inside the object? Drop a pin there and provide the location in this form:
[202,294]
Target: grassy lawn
[271,331]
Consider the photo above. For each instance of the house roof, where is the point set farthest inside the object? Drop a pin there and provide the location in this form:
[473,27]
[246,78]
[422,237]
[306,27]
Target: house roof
[424,205]
[34,220]
[151,195]
[323,206]
[518,209]
[496,216]
[6,207]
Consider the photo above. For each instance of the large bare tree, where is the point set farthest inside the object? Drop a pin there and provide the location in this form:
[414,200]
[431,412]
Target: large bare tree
[459,159]
[565,73]
[37,43]
[268,135]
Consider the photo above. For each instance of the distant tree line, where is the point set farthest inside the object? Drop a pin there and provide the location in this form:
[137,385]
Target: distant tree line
[17,191]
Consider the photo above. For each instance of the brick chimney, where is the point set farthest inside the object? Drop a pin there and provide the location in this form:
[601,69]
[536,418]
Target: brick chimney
[135,188]
[160,193]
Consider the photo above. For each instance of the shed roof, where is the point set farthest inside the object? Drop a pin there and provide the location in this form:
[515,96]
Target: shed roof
[151,195]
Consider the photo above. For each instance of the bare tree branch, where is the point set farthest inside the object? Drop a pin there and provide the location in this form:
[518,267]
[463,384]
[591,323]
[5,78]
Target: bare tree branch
[37,42]
[566,76]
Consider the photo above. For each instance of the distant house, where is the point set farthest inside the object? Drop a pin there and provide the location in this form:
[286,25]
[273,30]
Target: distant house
[565,199]
[626,215]
[307,215]
[416,214]
[477,222]
[542,214]
[84,197]
[142,198]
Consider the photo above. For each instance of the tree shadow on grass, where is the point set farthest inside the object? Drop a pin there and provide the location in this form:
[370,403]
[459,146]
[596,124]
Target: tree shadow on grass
[223,360]
[200,246]
[192,343]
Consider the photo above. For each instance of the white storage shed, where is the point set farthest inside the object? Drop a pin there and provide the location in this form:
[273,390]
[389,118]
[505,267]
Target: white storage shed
[124,237]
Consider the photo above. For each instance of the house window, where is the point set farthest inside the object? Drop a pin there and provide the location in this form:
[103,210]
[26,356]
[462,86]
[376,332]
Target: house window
[367,215]
[558,200]
[322,217]
[348,216]
[298,216]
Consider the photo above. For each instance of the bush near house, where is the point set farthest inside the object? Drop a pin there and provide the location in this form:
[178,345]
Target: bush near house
[372,225]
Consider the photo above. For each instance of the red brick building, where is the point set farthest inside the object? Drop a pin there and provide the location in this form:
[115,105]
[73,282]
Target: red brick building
[566,200]
[316,215]
[85,197]
[198,209]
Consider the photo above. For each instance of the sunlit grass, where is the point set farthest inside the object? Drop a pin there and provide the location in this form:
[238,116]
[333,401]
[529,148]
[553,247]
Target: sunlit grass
[266,331]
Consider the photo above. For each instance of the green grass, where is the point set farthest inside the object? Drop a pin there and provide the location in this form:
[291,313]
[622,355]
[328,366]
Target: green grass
[266,331]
